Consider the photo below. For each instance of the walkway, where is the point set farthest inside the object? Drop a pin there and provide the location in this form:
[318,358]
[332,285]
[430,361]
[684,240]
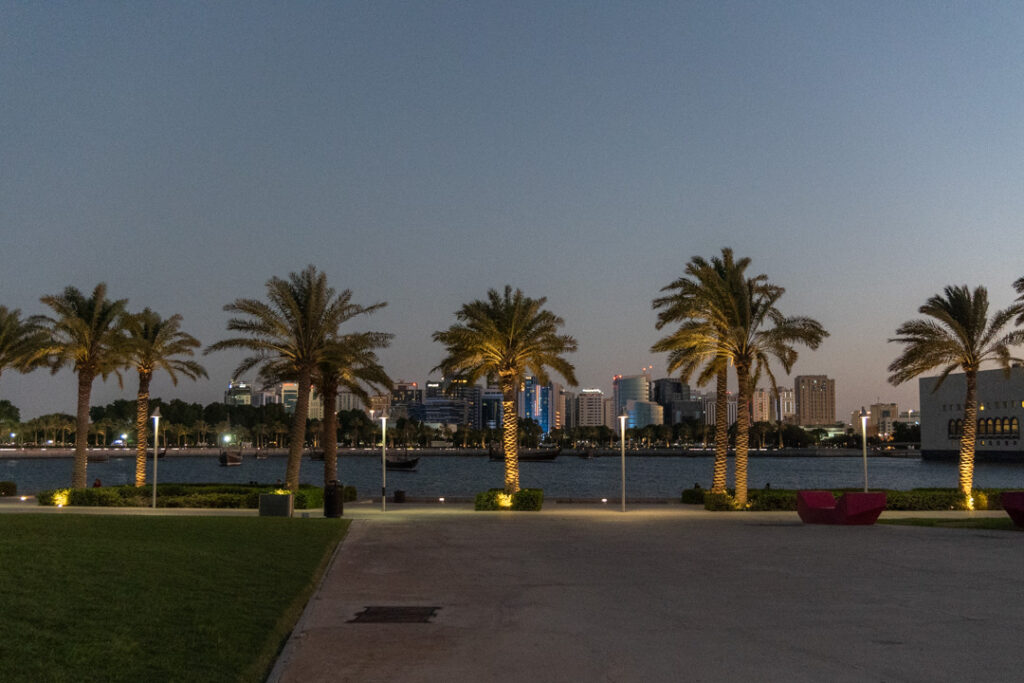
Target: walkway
[660,594]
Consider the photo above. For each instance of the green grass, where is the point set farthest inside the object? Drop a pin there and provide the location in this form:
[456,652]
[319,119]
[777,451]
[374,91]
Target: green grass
[998,523]
[125,598]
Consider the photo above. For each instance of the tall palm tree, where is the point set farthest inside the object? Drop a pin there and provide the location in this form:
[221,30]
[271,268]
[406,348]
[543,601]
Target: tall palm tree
[22,341]
[85,334]
[728,318]
[350,363]
[156,344]
[502,339]
[958,333]
[699,303]
[289,336]
[760,332]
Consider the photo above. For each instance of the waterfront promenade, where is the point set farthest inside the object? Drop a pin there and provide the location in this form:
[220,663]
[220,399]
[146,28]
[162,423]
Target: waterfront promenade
[661,594]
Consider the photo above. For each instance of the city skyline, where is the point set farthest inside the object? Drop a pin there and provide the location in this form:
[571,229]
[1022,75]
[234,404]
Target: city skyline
[185,154]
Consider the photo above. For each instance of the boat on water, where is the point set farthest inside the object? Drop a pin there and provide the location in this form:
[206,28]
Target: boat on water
[406,464]
[230,458]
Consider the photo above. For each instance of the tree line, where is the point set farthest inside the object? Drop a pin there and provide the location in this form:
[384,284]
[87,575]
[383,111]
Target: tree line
[719,319]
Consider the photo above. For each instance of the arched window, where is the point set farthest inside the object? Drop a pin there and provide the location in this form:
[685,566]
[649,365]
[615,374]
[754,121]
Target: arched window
[982,427]
[951,428]
[997,425]
[959,427]
[1015,427]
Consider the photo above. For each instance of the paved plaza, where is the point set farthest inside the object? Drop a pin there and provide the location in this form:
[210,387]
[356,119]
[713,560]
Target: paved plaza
[662,593]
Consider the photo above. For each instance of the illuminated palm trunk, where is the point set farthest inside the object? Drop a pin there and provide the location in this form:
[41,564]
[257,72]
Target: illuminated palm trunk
[721,431]
[141,417]
[81,430]
[509,433]
[330,432]
[967,439]
[742,433]
[297,436]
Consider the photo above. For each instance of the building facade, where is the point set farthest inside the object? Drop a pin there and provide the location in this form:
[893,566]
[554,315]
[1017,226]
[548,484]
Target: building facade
[1000,413]
[815,400]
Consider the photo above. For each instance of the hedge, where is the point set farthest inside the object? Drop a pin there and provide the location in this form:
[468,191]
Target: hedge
[186,496]
[785,499]
[522,500]
[8,488]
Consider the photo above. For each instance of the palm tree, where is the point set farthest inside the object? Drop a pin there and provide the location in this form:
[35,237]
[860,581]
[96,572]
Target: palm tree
[729,317]
[350,363]
[289,337]
[201,429]
[86,335]
[959,334]
[21,341]
[502,339]
[156,344]
[700,305]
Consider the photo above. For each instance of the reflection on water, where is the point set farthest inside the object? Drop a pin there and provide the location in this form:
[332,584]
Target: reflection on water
[569,476]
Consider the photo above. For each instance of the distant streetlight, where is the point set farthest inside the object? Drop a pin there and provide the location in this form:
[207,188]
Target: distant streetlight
[864,443]
[124,440]
[156,454]
[383,462]
[622,443]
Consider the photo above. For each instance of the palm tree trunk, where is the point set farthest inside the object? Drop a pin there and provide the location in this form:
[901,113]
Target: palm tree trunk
[967,439]
[330,433]
[742,433]
[509,431]
[141,417]
[298,433]
[721,431]
[82,433]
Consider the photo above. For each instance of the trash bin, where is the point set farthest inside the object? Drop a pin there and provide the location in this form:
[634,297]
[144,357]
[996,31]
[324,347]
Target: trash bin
[399,496]
[334,506]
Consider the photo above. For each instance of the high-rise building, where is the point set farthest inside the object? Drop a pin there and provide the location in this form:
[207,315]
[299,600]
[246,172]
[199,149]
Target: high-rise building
[643,413]
[815,400]
[590,408]
[784,403]
[535,403]
[490,408]
[761,405]
[708,403]
[880,419]
[239,393]
[630,388]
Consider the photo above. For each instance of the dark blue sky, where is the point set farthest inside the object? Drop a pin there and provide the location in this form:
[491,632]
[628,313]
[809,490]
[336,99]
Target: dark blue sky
[864,155]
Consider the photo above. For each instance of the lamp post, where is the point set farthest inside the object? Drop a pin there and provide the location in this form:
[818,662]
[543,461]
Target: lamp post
[383,462]
[622,444]
[864,443]
[156,443]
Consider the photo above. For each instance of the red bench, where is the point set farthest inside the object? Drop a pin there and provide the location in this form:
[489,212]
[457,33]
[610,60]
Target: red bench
[1013,503]
[821,507]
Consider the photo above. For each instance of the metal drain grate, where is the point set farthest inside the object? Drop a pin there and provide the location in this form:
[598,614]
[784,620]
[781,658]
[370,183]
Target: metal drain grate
[390,614]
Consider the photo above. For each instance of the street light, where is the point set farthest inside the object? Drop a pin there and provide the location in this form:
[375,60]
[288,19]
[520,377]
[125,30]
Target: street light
[864,443]
[622,443]
[156,443]
[383,462]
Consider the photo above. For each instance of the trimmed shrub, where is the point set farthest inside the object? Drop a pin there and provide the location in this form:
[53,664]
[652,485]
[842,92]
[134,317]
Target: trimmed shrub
[719,502]
[487,500]
[8,488]
[523,500]
[349,494]
[771,499]
[694,496]
[98,497]
[528,499]
[49,496]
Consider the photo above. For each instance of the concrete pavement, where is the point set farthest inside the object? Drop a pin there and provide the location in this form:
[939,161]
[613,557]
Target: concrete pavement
[663,593]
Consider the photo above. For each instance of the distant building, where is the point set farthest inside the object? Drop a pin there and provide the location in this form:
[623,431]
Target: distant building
[643,413]
[784,406]
[708,403]
[815,400]
[535,403]
[590,408]
[1000,413]
[490,408]
[630,388]
[761,405]
[239,393]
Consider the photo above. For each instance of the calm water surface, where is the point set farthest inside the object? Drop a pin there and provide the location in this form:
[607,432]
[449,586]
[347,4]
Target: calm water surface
[568,476]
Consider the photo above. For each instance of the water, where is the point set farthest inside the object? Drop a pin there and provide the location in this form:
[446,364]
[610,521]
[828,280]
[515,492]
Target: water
[568,476]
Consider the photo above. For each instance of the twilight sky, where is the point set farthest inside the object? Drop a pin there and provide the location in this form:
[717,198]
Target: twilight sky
[864,155]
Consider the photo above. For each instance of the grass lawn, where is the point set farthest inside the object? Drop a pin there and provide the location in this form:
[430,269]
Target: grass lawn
[126,598]
[999,523]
